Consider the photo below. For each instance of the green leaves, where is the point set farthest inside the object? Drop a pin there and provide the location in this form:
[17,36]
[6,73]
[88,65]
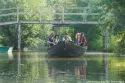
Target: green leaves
[33,42]
[31,34]
[113,21]
[112,14]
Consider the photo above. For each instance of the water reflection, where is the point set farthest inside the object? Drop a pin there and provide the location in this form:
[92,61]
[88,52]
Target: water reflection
[18,67]
[105,60]
[34,67]
[7,70]
[10,55]
[70,70]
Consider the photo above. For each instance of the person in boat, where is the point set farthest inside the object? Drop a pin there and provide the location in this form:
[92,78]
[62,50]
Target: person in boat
[67,37]
[51,39]
[78,42]
[56,39]
[82,39]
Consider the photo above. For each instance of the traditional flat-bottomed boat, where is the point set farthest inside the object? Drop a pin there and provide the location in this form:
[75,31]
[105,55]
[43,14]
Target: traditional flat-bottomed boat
[66,49]
[6,49]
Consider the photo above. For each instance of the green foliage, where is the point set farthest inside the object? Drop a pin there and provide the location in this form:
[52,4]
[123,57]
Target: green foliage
[35,34]
[31,34]
[61,30]
[95,40]
[121,47]
[111,17]
[1,40]
[113,44]
[113,21]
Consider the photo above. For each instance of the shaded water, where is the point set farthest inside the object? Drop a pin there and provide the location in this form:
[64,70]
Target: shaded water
[36,67]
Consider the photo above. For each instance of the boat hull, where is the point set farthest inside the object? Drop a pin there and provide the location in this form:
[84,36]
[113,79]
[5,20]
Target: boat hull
[6,49]
[66,49]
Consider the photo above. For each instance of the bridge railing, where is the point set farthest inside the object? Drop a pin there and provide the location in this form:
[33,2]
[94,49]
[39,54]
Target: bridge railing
[52,15]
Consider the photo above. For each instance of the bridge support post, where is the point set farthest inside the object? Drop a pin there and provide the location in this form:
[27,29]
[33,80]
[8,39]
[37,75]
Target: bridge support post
[106,41]
[63,14]
[17,14]
[19,37]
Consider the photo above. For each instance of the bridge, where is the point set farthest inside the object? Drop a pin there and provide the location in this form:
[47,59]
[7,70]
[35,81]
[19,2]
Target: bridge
[47,15]
[58,15]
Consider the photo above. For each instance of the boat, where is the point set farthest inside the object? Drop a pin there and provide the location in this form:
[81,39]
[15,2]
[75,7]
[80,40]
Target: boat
[66,49]
[6,49]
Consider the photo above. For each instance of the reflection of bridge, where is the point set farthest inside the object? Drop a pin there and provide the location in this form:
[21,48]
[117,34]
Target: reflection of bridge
[60,15]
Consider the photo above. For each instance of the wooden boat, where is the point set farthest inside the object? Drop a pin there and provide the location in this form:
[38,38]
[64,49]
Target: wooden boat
[6,49]
[66,49]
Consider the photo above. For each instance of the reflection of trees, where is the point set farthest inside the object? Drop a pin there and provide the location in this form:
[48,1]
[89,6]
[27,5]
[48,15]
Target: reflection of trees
[67,70]
[105,62]
[105,67]
[33,69]
[116,67]
[95,67]
[7,68]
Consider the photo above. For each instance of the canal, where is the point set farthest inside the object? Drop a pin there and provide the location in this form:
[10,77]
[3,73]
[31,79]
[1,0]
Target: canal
[37,67]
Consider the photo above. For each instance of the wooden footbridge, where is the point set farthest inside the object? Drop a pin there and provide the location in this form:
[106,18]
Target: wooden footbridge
[47,15]
[58,15]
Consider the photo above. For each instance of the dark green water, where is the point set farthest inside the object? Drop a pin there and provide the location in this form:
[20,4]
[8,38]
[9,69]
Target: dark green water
[36,67]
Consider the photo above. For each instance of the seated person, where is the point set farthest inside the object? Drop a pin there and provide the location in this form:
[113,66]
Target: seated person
[82,39]
[67,37]
[51,39]
[56,39]
[78,38]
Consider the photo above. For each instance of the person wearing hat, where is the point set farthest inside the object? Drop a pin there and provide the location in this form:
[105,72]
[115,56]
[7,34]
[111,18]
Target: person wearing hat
[67,37]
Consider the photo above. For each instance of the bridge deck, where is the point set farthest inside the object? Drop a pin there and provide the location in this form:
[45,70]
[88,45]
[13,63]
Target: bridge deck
[49,22]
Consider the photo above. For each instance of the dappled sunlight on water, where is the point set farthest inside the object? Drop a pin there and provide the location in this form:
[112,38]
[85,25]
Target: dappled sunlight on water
[37,67]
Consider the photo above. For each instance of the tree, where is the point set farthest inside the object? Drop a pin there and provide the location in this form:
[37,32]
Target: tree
[31,34]
[112,18]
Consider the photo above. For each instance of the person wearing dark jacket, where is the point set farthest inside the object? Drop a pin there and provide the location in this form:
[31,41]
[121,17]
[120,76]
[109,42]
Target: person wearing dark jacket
[82,39]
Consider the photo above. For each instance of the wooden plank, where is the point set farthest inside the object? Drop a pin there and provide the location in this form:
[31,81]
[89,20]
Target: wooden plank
[29,13]
[19,36]
[106,41]
[4,9]
[59,22]
[51,22]
[8,23]
[51,13]
[81,14]
[1,15]
[63,13]
[18,14]
[47,13]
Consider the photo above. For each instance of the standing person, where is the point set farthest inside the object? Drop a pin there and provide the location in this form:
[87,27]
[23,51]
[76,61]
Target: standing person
[56,40]
[78,39]
[82,39]
[67,37]
[51,39]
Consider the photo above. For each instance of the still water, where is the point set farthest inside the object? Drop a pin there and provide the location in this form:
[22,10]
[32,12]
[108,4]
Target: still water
[36,67]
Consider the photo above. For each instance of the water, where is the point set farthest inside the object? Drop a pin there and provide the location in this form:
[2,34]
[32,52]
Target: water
[36,67]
